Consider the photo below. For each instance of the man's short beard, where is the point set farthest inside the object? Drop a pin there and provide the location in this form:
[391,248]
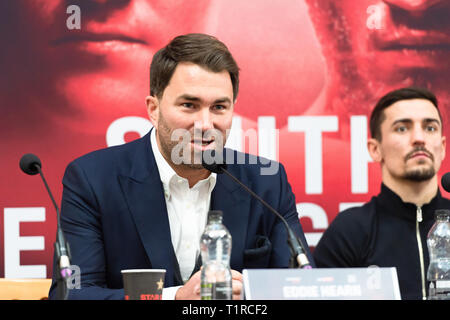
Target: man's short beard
[193,166]
[420,175]
[191,159]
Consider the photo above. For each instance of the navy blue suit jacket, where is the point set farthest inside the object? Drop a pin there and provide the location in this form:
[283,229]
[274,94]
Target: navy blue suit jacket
[114,216]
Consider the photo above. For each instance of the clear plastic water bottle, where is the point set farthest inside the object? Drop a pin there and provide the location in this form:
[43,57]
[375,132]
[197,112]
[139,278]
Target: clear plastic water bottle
[215,246]
[438,242]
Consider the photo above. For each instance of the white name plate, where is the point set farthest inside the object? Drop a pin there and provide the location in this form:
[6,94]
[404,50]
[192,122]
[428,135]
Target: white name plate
[371,283]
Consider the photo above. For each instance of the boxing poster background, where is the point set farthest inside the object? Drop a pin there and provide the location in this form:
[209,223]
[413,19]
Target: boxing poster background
[74,75]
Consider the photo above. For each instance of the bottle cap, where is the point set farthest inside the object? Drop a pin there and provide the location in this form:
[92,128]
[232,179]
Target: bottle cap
[442,213]
[214,215]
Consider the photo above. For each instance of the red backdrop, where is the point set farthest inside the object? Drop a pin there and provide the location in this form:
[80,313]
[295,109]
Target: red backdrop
[310,74]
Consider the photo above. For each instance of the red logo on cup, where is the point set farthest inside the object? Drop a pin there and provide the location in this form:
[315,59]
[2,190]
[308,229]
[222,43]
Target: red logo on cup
[150,297]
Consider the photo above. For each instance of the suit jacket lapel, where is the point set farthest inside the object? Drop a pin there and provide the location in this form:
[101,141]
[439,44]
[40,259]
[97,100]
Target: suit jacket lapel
[145,197]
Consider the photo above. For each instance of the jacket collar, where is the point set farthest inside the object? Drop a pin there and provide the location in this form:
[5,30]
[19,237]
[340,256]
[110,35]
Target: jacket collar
[392,204]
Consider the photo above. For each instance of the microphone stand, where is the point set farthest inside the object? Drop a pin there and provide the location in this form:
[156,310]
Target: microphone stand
[62,249]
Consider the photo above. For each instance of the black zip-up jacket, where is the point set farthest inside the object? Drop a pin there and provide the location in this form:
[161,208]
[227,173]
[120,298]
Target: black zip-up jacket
[385,232]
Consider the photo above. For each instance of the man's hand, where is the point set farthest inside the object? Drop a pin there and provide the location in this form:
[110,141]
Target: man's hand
[191,289]
[237,284]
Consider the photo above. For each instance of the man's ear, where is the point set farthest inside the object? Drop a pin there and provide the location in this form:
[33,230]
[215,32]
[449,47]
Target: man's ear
[373,146]
[152,109]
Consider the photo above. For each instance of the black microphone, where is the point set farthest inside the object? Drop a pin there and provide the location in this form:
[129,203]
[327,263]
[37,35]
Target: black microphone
[445,181]
[30,164]
[215,162]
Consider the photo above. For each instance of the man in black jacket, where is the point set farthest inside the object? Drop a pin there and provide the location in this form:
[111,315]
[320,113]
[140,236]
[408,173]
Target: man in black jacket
[391,229]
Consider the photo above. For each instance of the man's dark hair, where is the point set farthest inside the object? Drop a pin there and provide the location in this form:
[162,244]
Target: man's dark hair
[201,49]
[378,116]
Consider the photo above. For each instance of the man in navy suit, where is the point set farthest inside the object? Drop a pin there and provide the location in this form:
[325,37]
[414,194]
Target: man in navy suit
[144,204]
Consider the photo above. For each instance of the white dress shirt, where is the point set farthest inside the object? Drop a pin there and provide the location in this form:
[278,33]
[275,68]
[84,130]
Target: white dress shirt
[187,209]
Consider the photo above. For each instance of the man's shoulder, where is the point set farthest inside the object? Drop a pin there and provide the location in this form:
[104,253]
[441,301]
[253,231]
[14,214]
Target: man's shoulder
[351,228]
[359,216]
[104,158]
[251,165]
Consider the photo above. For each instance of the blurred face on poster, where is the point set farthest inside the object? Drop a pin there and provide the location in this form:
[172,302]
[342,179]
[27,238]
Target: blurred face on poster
[372,46]
[88,76]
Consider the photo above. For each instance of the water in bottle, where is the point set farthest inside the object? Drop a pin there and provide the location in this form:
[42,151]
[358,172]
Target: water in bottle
[438,242]
[215,246]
